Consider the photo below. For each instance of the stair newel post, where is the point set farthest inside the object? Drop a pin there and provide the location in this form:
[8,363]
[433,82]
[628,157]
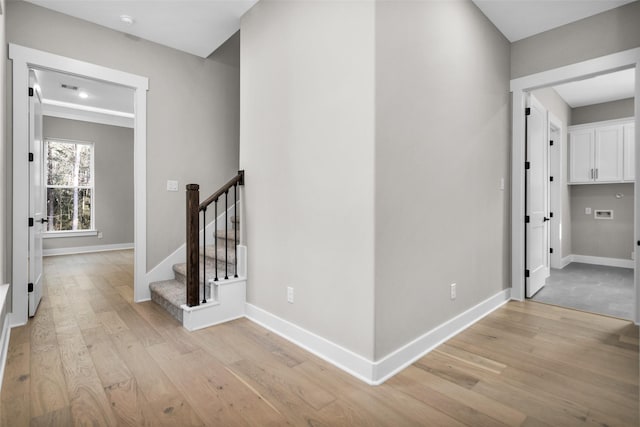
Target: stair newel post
[193,244]
[204,257]
[226,234]
[215,227]
[235,228]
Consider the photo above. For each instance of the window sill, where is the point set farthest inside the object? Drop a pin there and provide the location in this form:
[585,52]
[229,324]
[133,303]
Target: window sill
[57,234]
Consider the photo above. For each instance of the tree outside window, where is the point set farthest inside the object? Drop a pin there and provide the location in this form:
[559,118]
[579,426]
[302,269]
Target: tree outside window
[69,182]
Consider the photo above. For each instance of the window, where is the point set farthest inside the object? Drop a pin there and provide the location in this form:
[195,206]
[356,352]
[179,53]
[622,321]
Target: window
[69,179]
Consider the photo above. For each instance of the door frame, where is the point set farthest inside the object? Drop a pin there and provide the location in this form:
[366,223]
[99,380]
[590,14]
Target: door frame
[556,170]
[24,58]
[519,88]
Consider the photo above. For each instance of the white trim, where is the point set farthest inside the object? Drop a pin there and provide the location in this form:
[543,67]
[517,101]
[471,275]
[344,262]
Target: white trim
[85,116]
[229,304]
[566,261]
[593,67]
[350,362]
[23,58]
[6,331]
[69,233]
[556,188]
[613,122]
[598,260]
[393,363]
[87,108]
[375,373]
[87,249]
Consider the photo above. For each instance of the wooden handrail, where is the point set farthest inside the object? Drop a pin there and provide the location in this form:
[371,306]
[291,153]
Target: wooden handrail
[238,179]
[193,230]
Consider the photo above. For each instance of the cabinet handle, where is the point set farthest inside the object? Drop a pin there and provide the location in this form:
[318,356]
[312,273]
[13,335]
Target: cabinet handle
[596,173]
[591,173]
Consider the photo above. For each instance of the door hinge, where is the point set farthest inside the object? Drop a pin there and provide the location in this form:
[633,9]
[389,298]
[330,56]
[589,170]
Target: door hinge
[31,157]
[30,91]
[551,178]
[527,111]
[550,250]
[526,273]
[551,142]
[527,219]
[527,165]
[30,287]
[30,222]
[550,214]
[638,242]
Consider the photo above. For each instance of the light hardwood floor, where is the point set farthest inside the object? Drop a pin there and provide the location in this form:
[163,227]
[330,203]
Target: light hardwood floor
[92,357]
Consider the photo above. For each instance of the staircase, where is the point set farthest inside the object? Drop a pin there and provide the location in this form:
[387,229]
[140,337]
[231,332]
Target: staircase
[172,294]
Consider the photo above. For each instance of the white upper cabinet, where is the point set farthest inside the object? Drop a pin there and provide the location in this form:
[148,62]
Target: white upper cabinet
[581,158]
[601,152]
[608,154]
[629,152]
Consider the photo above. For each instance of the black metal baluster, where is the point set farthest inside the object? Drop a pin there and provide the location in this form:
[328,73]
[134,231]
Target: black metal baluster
[235,228]
[215,227]
[226,234]
[204,257]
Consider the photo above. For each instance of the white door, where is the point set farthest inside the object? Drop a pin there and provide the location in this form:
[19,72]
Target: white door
[537,222]
[608,154]
[36,195]
[629,152]
[581,165]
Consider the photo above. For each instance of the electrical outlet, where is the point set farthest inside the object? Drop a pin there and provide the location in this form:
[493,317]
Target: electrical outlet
[587,211]
[453,291]
[502,184]
[290,295]
[99,234]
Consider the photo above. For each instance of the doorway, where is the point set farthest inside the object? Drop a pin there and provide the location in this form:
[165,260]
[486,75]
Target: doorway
[520,87]
[23,60]
[592,258]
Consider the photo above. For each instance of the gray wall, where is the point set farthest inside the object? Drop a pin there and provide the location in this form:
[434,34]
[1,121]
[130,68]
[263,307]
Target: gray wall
[606,111]
[442,147]
[113,163]
[192,111]
[559,108]
[307,147]
[602,238]
[598,35]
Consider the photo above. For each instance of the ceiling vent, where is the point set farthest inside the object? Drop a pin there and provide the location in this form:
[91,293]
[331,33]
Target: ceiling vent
[70,87]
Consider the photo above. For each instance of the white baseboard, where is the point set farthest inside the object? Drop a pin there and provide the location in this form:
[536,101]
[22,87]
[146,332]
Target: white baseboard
[394,362]
[611,262]
[566,261]
[6,330]
[164,269]
[377,372]
[350,362]
[87,249]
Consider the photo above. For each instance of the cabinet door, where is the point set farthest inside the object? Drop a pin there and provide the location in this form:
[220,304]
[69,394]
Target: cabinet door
[608,154]
[581,156]
[629,152]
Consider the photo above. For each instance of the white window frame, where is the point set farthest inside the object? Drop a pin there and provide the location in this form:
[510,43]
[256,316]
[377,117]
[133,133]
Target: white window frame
[92,231]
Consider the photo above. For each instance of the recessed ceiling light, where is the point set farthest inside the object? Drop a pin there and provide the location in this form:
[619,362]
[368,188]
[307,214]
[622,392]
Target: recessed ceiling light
[83,95]
[126,19]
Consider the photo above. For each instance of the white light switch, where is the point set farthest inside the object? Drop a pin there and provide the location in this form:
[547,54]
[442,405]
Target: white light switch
[587,211]
[172,185]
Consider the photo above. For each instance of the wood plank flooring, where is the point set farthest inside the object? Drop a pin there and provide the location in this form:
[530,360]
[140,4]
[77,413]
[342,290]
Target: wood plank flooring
[92,357]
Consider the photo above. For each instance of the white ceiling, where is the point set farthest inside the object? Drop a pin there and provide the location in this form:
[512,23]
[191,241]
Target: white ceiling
[519,19]
[604,88]
[100,95]
[198,27]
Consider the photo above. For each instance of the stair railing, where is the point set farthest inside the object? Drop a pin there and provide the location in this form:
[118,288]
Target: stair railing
[194,207]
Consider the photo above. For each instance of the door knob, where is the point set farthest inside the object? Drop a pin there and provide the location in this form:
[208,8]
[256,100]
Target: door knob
[545,219]
[42,220]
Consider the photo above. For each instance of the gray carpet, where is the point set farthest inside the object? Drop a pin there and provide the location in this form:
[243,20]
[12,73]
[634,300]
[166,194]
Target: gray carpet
[593,288]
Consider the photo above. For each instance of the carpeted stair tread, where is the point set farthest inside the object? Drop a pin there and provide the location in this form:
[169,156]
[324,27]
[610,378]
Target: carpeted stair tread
[180,271]
[170,295]
[230,236]
[223,255]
